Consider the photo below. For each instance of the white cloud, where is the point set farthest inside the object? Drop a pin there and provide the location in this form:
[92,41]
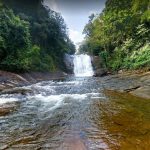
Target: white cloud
[75,36]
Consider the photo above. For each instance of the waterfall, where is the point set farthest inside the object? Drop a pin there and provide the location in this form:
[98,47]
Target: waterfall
[82,65]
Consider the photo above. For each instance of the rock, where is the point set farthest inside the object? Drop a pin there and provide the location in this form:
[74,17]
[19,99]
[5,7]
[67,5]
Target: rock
[8,108]
[9,85]
[34,77]
[96,62]
[10,80]
[145,79]
[135,84]
[17,90]
[13,82]
[130,89]
[120,71]
[143,92]
[4,111]
[98,66]
[8,76]
[100,72]
[2,87]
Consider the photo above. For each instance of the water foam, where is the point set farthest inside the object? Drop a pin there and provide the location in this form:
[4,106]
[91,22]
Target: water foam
[4,100]
[83,66]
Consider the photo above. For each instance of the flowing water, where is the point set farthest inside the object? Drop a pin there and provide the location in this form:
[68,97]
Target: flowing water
[56,115]
[83,66]
[74,114]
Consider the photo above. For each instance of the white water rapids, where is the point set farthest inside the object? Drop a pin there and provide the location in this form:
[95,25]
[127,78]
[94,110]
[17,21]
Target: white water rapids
[83,66]
[54,113]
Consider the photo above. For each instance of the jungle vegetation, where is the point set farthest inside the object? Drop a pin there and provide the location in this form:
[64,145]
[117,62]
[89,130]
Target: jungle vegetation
[32,37]
[120,35]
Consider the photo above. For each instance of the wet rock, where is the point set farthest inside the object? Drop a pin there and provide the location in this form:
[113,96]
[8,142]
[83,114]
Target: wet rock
[4,111]
[9,85]
[2,87]
[137,84]
[120,71]
[34,77]
[96,62]
[74,143]
[8,108]
[143,92]
[131,88]
[100,72]
[98,67]
[145,79]
[17,90]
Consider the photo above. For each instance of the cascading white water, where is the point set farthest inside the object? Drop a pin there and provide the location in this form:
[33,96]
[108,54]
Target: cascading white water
[83,65]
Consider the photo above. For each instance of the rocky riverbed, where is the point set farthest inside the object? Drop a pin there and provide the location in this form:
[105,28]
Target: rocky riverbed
[10,80]
[137,83]
[75,112]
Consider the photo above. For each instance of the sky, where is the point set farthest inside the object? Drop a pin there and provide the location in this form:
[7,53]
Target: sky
[75,14]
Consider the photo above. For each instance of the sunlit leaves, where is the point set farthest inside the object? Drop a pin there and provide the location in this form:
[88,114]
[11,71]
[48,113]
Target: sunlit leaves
[121,31]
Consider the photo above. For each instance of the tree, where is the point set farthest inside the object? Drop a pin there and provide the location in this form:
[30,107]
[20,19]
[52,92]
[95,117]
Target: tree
[14,41]
[30,30]
[120,24]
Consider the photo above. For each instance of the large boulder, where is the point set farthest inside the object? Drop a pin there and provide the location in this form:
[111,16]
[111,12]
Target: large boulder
[99,69]
[96,62]
[100,72]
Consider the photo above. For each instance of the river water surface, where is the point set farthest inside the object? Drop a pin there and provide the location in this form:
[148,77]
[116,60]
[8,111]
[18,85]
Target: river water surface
[74,114]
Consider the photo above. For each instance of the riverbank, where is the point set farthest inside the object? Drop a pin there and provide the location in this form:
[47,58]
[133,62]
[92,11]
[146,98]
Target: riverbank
[74,109]
[134,83]
[10,80]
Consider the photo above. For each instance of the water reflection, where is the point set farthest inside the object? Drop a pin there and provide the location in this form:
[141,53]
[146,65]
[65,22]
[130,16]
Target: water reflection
[126,121]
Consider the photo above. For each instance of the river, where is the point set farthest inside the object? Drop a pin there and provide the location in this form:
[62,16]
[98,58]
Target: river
[74,114]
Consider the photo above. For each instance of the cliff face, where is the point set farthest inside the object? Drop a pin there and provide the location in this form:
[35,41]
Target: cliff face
[98,67]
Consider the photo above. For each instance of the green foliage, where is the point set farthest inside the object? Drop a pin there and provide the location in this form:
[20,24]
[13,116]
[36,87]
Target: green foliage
[14,41]
[104,56]
[32,37]
[133,53]
[138,59]
[122,29]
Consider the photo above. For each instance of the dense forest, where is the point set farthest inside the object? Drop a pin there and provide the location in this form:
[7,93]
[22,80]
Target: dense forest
[32,37]
[120,35]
